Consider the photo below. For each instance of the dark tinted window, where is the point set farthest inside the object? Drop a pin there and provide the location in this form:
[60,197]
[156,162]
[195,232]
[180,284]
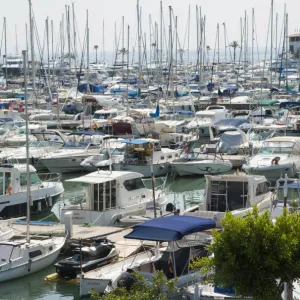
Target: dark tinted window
[35,253]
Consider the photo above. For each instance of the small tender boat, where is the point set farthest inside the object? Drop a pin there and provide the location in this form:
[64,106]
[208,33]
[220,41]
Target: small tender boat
[20,258]
[101,252]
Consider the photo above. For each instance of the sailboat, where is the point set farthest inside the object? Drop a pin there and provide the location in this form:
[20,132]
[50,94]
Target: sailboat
[22,257]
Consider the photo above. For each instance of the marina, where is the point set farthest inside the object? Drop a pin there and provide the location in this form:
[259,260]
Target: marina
[132,134]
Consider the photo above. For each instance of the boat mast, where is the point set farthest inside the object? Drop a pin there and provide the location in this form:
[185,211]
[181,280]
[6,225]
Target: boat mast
[225,45]
[28,196]
[276,36]
[17,50]
[26,35]
[218,30]
[74,36]
[69,40]
[252,45]
[103,43]
[287,50]
[87,51]
[271,57]
[48,50]
[171,57]
[189,27]
[201,46]
[32,47]
[139,47]
[128,36]
[52,51]
[161,40]
[5,44]
[198,42]
[123,49]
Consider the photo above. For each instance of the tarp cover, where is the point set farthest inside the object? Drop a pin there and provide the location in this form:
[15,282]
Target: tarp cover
[167,229]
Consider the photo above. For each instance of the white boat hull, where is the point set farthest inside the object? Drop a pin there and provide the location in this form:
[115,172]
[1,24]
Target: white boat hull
[29,267]
[158,170]
[272,172]
[201,167]
[217,216]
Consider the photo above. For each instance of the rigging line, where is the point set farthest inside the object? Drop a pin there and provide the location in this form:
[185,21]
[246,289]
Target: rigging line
[186,31]
[265,57]
[117,48]
[134,47]
[212,68]
[255,30]
[240,56]
[282,33]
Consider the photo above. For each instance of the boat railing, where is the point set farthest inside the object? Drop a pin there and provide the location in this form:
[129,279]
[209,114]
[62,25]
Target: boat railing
[50,177]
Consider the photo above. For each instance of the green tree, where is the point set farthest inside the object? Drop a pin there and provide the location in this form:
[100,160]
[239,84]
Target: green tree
[234,45]
[96,49]
[159,288]
[255,255]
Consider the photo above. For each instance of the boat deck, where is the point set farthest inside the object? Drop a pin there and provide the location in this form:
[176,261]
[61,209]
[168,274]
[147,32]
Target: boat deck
[115,234]
[236,160]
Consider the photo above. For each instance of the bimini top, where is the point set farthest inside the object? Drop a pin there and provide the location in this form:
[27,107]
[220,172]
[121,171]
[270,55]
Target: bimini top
[167,229]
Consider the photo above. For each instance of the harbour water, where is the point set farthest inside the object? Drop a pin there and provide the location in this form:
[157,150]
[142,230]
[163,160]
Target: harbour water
[183,192]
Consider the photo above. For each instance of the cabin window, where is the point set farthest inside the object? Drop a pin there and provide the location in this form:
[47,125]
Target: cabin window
[5,182]
[262,188]
[23,179]
[15,253]
[162,157]
[105,195]
[134,184]
[35,253]
[5,251]
[34,179]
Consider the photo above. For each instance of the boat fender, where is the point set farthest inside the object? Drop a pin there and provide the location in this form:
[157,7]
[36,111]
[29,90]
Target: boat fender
[170,207]
[275,161]
[29,265]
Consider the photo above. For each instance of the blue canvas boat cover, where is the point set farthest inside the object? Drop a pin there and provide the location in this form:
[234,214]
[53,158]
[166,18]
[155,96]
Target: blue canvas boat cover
[171,228]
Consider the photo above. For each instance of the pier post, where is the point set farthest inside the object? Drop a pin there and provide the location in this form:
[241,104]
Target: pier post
[69,223]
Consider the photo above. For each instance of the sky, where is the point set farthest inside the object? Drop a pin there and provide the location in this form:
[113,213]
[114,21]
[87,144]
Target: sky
[111,11]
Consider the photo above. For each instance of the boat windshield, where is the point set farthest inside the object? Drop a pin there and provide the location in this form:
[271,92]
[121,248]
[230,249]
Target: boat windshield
[206,119]
[33,177]
[41,144]
[277,148]
[118,151]
[75,141]
[101,116]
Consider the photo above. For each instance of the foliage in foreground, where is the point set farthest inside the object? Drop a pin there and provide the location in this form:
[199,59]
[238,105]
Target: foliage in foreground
[255,255]
[159,288]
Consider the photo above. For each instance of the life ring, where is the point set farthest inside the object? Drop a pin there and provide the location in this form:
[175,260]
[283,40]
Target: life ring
[275,161]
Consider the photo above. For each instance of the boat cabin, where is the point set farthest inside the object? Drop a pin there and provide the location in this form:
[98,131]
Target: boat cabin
[145,151]
[108,191]
[234,192]
[105,114]
[13,178]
